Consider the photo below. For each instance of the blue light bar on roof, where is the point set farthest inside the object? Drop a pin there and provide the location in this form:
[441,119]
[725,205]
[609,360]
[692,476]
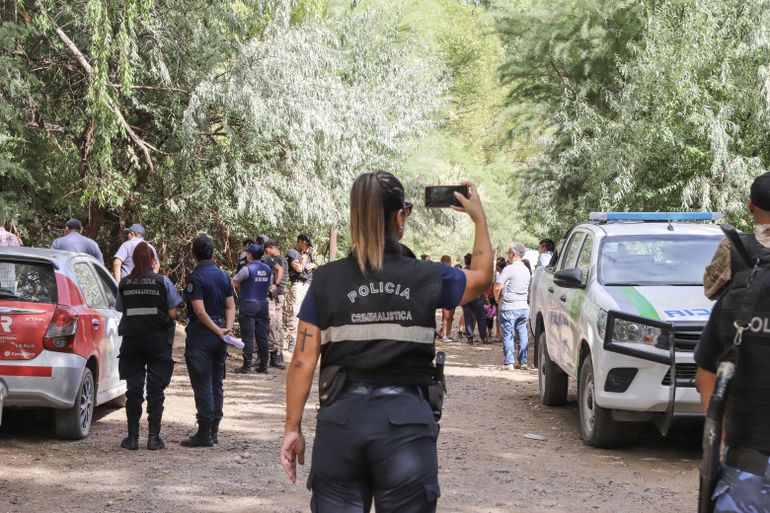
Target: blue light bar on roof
[655,216]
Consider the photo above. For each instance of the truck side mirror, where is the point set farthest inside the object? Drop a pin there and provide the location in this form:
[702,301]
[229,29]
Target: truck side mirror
[569,278]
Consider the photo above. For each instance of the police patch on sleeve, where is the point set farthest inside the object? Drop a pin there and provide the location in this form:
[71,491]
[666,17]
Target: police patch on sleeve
[190,287]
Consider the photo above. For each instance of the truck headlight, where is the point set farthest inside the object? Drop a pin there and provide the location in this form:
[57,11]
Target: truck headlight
[638,337]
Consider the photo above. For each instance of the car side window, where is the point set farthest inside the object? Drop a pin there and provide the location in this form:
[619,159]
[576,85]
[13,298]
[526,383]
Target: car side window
[89,286]
[571,253]
[108,286]
[584,259]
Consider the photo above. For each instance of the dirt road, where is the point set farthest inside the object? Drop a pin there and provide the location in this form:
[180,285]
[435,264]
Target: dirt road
[487,466]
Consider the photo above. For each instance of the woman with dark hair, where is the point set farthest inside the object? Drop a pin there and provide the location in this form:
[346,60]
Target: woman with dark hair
[211,307]
[148,302]
[371,318]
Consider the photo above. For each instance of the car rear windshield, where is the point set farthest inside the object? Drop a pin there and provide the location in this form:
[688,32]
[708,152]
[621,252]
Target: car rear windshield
[32,282]
[655,260]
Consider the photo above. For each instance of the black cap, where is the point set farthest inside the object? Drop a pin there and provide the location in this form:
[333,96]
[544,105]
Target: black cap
[203,247]
[305,238]
[760,191]
[269,243]
[248,241]
[74,224]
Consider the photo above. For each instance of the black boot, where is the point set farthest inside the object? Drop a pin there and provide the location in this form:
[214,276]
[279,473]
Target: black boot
[215,431]
[276,360]
[154,441]
[131,442]
[200,439]
[262,367]
[246,368]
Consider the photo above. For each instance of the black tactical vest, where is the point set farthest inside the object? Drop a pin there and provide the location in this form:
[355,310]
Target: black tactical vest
[145,305]
[380,326]
[748,405]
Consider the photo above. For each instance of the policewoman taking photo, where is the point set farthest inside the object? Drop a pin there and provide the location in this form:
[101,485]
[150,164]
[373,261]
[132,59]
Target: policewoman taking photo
[371,318]
[148,302]
[210,304]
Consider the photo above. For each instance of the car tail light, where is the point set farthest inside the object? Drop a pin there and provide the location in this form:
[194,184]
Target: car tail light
[60,335]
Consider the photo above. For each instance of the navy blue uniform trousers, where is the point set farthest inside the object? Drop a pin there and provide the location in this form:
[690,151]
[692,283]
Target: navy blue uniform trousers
[375,444]
[146,358]
[254,319]
[205,354]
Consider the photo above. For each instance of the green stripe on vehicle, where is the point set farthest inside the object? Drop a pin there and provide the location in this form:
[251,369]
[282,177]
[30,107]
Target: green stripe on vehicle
[641,303]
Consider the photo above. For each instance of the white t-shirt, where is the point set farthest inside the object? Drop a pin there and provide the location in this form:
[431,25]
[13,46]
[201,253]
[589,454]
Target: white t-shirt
[515,281]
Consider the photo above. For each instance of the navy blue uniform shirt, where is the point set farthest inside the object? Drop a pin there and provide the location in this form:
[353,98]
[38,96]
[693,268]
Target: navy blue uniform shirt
[211,284]
[255,280]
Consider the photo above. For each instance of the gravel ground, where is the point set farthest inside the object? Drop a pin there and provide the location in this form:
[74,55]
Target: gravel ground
[486,465]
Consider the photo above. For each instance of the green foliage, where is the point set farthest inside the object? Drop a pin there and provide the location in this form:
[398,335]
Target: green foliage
[684,131]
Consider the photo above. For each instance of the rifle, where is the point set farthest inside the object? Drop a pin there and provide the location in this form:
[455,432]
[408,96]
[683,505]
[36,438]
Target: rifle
[712,436]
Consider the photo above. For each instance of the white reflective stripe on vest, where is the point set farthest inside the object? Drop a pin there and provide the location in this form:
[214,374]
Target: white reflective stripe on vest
[141,311]
[375,331]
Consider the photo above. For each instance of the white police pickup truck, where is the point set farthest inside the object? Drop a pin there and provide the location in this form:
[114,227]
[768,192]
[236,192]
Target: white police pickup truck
[620,310]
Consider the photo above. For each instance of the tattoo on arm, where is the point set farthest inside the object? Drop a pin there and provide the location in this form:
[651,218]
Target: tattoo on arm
[305,335]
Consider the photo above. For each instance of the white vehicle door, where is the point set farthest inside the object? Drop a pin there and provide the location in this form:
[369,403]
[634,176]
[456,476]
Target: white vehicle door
[560,335]
[576,298]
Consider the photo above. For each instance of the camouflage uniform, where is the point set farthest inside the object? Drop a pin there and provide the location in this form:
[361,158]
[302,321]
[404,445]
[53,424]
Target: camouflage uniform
[718,272]
[736,492]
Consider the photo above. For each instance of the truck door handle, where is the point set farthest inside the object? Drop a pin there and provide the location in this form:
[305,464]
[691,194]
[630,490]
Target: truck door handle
[95,323]
[550,289]
[563,298]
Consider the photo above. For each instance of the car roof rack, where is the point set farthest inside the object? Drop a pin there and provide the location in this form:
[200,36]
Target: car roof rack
[653,217]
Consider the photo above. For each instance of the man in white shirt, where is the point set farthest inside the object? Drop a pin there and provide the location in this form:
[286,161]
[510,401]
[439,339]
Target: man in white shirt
[511,292]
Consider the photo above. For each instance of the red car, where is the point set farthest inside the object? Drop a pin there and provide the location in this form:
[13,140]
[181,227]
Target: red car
[59,337]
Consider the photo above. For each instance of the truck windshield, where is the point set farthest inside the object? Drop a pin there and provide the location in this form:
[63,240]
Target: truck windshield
[655,259]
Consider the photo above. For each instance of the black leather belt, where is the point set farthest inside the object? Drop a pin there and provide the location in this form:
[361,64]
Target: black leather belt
[747,460]
[359,388]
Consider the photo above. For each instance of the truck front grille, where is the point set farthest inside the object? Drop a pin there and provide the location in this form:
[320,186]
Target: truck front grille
[685,375]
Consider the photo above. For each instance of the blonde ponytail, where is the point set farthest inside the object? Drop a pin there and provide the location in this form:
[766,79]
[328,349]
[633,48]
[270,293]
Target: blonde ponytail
[367,222]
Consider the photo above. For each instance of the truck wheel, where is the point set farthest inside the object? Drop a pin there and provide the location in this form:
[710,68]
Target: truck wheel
[552,380]
[75,423]
[598,427]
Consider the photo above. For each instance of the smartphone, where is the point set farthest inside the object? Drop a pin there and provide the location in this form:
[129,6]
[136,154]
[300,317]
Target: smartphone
[443,196]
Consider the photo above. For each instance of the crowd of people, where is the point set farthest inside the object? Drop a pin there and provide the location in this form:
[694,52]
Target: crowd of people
[503,309]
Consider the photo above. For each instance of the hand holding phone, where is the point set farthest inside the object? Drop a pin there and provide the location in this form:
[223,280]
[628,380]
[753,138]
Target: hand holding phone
[443,196]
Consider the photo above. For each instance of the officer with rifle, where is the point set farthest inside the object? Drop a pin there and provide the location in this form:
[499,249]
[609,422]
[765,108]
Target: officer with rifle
[733,376]
[371,319]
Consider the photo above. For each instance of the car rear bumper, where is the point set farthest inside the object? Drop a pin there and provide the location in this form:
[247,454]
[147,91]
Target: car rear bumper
[51,380]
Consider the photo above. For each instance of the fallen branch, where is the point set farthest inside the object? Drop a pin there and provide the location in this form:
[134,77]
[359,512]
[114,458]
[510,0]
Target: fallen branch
[143,145]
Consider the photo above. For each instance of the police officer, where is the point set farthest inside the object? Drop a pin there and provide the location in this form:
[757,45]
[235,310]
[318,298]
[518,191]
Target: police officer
[254,280]
[274,259]
[745,475]
[74,241]
[370,316]
[301,267]
[209,298]
[148,302]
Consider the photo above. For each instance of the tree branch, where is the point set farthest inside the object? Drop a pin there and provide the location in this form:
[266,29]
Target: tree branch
[143,145]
